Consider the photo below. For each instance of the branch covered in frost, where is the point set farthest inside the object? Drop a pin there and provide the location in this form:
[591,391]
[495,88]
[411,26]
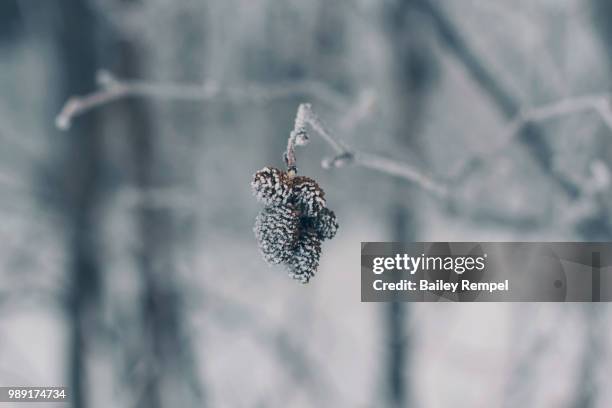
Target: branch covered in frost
[297,137]
[440,189]
[113,89]
[345,155]
[597,103]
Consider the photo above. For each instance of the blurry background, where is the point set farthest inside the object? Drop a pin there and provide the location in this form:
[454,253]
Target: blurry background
[129,270]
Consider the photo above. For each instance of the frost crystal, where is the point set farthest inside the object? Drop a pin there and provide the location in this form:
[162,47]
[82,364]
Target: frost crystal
[305,260]
[270,186]
[326,224]
[293,223]
[276,229]
[307,195]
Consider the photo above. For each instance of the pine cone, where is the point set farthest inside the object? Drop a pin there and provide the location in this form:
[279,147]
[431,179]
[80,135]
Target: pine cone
[326,224]
[307,195]
[277,229]
[305,258]
[271,186]
[293,223]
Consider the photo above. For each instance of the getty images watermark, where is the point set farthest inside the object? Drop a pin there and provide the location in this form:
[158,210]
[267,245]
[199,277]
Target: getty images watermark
[486,272]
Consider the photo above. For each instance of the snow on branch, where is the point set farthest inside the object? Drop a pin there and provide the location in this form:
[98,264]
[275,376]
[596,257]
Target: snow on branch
[345,155]
[113,89]
[597,103]
[438,188]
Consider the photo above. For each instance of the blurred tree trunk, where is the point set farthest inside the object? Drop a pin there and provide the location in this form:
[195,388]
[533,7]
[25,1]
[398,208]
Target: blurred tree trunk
[586,392]
[167,373]
[10,20]
[411,68]
[80,173]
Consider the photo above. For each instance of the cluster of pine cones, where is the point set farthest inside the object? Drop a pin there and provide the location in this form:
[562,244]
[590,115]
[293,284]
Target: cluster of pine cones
[293,223]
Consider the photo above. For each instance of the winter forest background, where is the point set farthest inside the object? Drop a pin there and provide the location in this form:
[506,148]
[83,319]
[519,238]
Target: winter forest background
[129,270]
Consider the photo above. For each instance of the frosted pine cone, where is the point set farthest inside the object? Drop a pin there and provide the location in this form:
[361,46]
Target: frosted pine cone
[326,224]
[276,229]
[307,195]
[270,186]
[293,223]
[305,260]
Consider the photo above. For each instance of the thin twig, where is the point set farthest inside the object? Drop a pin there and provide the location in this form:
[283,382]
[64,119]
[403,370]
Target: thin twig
[297,137]
[401,169]
[597,103]
[113,89]
[345,155]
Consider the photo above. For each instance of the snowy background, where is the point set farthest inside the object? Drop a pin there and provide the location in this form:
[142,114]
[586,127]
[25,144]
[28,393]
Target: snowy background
[129,270]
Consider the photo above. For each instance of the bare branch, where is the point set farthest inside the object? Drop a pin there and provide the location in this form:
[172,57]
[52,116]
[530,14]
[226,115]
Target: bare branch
[402,170]
[113,89]
[345,155]
[438,188]
[597,103]
[297,137]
